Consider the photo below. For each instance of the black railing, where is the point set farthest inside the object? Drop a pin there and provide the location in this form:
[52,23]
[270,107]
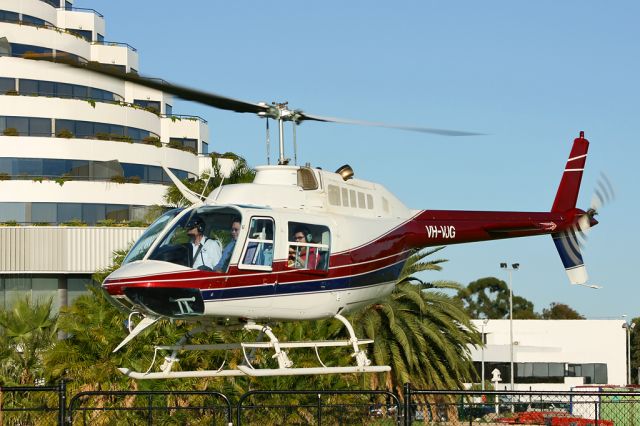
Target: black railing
[82,9]
[33,405]
[184,117]
[115,43]
[150,407]
[331,407]
[47,405]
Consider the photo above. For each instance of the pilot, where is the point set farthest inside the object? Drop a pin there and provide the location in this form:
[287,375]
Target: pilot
[205,252]
[223,264]
[301,255]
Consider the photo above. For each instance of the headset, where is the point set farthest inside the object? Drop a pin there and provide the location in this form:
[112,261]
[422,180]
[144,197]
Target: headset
[308,236]
[195,222]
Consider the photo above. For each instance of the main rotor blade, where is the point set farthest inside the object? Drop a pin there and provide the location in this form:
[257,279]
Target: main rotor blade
[445,132]
[223,102]
[211,99]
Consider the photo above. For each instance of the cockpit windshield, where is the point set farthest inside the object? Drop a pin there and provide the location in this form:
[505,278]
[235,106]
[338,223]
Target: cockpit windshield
[140,248]
[202,239]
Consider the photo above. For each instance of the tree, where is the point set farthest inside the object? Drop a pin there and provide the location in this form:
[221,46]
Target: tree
[489,298]
[27,330]
[558,311]
[421,332]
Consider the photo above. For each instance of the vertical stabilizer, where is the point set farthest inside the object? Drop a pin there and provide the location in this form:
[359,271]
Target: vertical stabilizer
[567,194]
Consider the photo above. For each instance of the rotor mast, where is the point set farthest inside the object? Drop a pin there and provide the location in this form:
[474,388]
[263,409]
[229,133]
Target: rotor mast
[280,111]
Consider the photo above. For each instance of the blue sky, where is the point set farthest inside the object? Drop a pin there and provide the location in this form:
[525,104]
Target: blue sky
[529,74]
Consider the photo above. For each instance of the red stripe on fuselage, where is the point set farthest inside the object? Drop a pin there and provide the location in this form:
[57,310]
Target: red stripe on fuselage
[386,250]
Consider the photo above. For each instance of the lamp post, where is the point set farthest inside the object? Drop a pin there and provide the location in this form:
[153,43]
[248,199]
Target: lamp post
[484,323]
[514,267]
[628,326]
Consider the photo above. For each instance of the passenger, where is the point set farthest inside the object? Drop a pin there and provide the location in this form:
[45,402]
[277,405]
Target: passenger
[205,252]
[223,264]
[303,256]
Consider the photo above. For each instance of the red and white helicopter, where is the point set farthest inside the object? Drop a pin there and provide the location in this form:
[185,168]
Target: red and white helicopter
[356,237]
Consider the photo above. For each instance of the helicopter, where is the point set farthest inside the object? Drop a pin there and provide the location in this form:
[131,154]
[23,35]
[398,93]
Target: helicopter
[308,244]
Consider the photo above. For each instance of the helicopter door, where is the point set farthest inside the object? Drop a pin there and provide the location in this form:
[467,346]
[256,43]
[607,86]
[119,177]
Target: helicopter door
[257,253]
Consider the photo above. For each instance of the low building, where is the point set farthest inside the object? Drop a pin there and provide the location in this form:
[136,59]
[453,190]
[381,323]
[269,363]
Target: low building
[553,354]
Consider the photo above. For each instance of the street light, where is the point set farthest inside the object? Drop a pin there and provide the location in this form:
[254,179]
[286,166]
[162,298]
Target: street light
[514,267]
[628,326]
[484,323]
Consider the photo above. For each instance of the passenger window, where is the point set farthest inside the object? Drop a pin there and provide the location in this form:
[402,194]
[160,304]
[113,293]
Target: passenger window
[345,197]
[369,201]
[334,195]
[361,203]
[258,250]
[309,246]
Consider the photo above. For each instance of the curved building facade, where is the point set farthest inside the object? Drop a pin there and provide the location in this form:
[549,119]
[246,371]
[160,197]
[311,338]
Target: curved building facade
[77,148]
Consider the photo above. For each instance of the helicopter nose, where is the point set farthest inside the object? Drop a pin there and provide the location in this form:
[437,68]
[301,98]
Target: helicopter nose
[593,221]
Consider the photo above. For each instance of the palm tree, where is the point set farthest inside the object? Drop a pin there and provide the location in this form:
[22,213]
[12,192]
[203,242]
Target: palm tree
[26,331]
[421,332]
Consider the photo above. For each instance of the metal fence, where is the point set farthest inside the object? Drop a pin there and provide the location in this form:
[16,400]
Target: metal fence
[47,405]
[149,408]
[39,405]
[605,406]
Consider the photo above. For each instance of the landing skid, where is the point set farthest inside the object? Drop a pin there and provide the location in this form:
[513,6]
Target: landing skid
[285,365]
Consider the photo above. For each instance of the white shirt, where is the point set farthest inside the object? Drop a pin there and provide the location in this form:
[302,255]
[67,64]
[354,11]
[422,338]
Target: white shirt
[209,254]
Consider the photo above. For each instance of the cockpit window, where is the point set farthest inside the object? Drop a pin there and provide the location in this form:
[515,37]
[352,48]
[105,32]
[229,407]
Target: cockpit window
[140,248]
[202,239]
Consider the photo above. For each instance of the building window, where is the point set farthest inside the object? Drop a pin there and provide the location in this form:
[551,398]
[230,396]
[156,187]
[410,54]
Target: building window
[32,20]
[64,90]
[57,213]
[8,16]
[205,148]
[42,288]
[546,372]
[85,34]
[25,126]
[168,109]
[53,168]
[153,106]
[102,131]
[185,144]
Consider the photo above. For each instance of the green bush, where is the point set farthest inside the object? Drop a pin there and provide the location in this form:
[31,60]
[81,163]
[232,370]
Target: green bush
[74,222]
[5,176]
[118,179]
[152,140]
[10,131]
[64,133]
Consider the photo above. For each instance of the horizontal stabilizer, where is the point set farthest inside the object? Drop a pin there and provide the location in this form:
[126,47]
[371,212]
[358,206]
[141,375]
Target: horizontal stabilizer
[569,251]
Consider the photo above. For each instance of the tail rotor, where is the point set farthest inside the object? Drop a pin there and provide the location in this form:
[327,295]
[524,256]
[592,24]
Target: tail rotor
[570,242]
[602,195]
